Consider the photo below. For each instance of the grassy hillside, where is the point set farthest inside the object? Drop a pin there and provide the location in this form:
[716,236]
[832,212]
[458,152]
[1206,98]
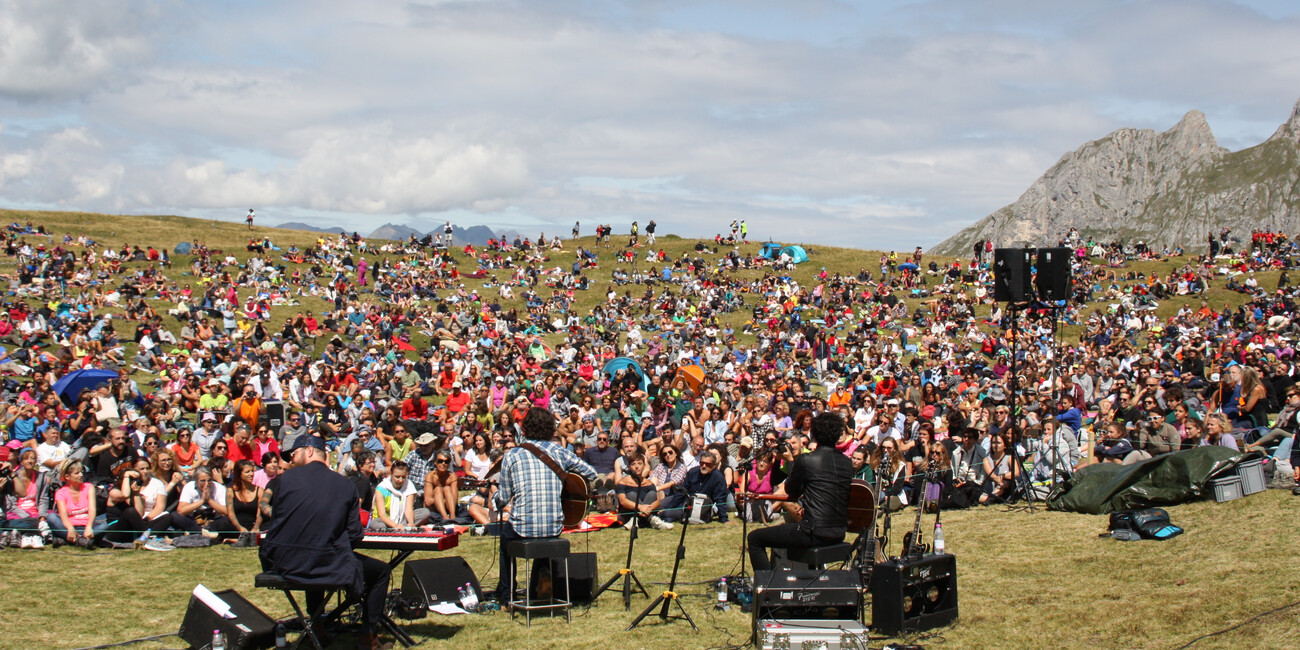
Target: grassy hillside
[1026,580]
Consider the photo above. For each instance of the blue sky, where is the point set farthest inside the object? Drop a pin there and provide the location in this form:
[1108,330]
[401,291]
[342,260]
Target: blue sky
[878,125]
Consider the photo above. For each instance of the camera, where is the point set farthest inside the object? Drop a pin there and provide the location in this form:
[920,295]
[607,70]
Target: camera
[6,472]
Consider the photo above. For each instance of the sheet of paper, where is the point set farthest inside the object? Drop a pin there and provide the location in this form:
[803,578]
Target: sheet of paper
[213,601]
[447,609]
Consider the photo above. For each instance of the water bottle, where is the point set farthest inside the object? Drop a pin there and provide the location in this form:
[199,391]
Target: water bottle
[471,597]
[722,592]
[463,596]
[938,537]
[218,640]
[281,641]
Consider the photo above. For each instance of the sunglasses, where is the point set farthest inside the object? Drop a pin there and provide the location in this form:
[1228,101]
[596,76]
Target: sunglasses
[443,461]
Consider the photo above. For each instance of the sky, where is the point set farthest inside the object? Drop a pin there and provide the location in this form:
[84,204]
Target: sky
[879,125]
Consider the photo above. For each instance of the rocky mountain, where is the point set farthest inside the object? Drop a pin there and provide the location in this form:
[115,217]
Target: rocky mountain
[298,225]
[477,235]
[1169,188]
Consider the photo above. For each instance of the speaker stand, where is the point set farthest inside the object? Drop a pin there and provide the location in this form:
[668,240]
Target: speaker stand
[627,573]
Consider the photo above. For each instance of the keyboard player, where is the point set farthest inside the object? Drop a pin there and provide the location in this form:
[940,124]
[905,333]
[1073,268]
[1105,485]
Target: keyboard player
[315,522]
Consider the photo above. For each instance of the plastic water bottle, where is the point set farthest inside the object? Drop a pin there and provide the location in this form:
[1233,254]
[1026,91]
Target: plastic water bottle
[471,597]
[938,537]
[281,640]
[218,640]
[722,591]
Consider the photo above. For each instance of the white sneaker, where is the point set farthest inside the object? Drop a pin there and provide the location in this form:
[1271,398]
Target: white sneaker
[36,542]
[660,524]
[156,544]
[26,543]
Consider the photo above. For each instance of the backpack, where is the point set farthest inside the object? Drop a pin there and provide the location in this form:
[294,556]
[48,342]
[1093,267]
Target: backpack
[1142,523]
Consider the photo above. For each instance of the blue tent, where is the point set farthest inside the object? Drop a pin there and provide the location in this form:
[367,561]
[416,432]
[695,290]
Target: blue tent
[182,248]
[69,387]
[619,363]
[770,251]
[796,253]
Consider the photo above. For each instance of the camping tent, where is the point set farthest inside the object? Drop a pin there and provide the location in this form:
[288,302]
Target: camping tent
[770,251]
[796,253]
[693,374]
[620,363]
[182,248]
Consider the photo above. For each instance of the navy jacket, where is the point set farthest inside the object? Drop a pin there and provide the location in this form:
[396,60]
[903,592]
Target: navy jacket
[315,519]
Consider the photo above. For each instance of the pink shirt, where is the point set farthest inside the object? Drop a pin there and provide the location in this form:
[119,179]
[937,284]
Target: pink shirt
[79,508]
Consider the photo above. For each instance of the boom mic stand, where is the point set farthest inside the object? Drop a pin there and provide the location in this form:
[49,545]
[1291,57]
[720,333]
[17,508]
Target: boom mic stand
[670,596]
[627,573]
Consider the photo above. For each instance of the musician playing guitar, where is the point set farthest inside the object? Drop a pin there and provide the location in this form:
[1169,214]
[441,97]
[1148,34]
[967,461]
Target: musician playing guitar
[820,482]
[532,489]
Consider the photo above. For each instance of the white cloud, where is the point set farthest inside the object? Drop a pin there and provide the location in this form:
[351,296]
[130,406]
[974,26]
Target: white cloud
[55,49]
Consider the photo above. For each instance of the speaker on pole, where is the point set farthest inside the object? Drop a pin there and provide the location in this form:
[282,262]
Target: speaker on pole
[1011,280]
[1053,277]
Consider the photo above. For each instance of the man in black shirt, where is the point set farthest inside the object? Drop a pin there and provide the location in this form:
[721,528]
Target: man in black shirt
[105,457]
[820,482]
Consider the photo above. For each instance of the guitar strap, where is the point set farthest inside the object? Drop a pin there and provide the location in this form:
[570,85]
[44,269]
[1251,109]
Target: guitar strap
[545,458]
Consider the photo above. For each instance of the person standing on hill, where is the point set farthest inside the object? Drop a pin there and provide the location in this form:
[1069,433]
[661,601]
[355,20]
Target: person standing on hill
[575,230]
[650,233]
[249,219]
[744,230]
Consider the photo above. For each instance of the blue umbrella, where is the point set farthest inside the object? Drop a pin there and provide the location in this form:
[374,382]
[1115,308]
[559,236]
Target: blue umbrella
[907,266]
[69,387]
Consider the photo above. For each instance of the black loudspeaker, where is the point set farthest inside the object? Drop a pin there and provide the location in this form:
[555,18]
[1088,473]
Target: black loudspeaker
[275,414]
[582,578]
[1011,280]
[785,594]
[913,594]
[250,628]
[1053,277]
[438,580]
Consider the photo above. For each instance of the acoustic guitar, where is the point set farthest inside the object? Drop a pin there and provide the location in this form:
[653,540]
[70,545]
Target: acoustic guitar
[575,493]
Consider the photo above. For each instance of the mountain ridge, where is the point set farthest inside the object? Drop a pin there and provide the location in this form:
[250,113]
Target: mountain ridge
[1169,188]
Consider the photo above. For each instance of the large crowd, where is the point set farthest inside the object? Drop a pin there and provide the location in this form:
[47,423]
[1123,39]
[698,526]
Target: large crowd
[695,374]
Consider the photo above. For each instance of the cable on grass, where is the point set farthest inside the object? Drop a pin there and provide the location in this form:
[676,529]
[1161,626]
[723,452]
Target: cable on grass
[132,641]
[1245,622]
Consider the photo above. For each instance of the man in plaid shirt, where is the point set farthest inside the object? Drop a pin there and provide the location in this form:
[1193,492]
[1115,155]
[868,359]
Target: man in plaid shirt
[532,490]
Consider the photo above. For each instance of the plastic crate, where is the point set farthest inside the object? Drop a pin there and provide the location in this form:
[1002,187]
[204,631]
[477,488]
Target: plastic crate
[1251,473]
[1227,488]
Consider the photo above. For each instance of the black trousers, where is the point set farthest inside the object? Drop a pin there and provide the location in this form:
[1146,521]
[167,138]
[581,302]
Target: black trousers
[780,536]
[375,573]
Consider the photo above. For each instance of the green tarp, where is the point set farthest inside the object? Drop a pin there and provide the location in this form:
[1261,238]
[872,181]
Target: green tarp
[1165,480]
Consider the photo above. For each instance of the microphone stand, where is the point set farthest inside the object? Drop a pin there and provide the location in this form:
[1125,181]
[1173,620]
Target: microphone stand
[670,596]
[627,573]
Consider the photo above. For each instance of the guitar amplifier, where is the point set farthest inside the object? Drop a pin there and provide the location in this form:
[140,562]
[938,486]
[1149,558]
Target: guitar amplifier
[788,595]
[914,594]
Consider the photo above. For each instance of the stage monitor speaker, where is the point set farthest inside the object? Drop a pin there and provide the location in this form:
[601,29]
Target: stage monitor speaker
[1053,277]
[1011,280]
[438,580]
[913,594]
[582,579]
[250,628]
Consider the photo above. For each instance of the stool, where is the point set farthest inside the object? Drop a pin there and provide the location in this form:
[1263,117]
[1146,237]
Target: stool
[269,580]
[550,548]
[817,557]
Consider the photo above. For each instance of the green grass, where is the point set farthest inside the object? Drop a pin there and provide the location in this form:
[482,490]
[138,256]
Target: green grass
[1026,580]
